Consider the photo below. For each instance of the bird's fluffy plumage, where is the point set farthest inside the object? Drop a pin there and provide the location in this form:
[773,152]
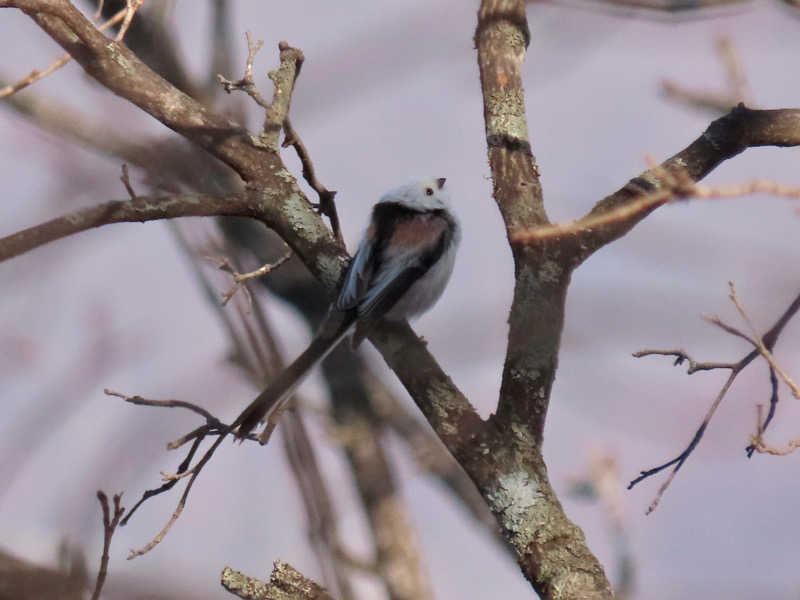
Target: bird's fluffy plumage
[399,271]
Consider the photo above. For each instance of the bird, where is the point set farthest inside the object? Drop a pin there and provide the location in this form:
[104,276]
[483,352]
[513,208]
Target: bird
[400,269]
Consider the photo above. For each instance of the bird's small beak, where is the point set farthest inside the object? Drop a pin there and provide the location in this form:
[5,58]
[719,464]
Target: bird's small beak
[440,182]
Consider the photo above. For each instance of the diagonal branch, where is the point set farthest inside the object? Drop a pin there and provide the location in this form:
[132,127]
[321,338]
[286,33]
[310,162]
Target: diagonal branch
[140,209]
[117,68]
[763,347]
[724,138]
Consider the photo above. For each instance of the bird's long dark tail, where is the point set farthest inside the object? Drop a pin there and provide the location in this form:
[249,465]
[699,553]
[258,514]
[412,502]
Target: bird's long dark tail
[280,390]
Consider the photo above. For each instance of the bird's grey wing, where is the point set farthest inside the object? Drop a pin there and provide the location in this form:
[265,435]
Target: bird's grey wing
[399,269]
[381,300]
[357,278]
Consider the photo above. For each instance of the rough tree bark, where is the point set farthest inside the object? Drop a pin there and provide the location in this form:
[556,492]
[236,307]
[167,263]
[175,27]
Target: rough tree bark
[502,455]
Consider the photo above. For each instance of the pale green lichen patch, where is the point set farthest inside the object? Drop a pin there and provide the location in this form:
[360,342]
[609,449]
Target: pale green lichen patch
[439,397]
[285,176]
[302,219]
[680,162]
[163,205]
[505,114]
[523,436]
[512,36]
[118,58]
[329,270]
[653,179]
[520,503]
[261,140]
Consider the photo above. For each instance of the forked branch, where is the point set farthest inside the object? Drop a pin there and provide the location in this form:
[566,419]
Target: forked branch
[763,346]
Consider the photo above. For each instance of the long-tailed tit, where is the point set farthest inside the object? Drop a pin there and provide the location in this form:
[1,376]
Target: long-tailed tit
[399,271]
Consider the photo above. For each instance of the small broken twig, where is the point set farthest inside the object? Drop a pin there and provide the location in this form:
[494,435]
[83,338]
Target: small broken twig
[246,83]
[239,279]
[109,526]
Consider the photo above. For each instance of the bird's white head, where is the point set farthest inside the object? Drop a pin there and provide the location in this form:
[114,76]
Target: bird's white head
[421,195]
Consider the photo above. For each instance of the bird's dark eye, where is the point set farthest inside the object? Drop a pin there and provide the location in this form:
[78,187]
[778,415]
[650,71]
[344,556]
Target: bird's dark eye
[429,191]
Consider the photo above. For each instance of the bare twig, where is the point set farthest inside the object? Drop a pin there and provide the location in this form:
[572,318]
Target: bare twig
[737,88]
[210,419]
[602,483]
[724,138]
[181,503]
[126,181]
[143,208]
[759,445]
[734,70]
[679,460]
[36,75]
[759,343]
[109,526]
[246,83]
[239,279]
[213,427]
[673,187]
[257,354]
[130,10]
[326,204]
[221,39]
[681,356]
[763,347]
[99,12]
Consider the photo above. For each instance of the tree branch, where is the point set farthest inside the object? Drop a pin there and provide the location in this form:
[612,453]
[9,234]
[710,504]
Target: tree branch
[506,462]
[109,526]
[763,347]
[724,138]
[140,209]
[285,583]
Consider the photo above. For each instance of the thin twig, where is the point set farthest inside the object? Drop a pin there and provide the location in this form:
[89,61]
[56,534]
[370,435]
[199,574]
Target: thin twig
[126,181]
[99,12]
[759,343]
[681,356]
[759,445]
[735,72]
[138,400]
[147,494]
[213,426]
[109,526]
[36,75]
[326,204]
[736,90]
[763,347]
[239,279]
[132,7]
[670,190]
[679,460]
[181,503]
[246,83]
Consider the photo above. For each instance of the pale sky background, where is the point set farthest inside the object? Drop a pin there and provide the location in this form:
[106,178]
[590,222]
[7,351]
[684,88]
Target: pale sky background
[389,91]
